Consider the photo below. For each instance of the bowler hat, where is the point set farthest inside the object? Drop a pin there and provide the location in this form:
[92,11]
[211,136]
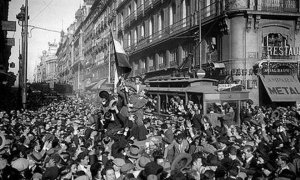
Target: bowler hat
[104,94]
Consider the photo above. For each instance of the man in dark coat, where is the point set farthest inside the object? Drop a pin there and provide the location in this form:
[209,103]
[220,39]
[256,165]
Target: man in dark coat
[195,119]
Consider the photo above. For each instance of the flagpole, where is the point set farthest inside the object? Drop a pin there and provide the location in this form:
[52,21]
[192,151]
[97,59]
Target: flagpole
[109,65]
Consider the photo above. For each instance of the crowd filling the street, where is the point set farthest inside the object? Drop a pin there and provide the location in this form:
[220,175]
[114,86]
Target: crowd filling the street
[122,137]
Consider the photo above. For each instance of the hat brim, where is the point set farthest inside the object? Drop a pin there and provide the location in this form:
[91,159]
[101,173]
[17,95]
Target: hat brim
[3,141]
[179,158]
[134,156]
[137,164]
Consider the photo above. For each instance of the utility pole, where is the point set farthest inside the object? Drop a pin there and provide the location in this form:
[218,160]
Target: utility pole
[23,18]
[25,57]
[200,37]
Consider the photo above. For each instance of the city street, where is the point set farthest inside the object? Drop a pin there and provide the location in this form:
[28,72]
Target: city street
[149,89]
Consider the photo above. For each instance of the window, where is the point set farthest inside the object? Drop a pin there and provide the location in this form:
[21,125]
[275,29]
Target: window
[143,64]
[160,22]
[183,9]
[129,39]
[143,30]
[172,14]
[129,10]
[151,28]
[161,60]
[275,45]
[172,59]
[135,7]
[151,64]
[135,36]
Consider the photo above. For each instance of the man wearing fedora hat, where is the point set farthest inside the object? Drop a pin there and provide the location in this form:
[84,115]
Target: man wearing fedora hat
[133,153]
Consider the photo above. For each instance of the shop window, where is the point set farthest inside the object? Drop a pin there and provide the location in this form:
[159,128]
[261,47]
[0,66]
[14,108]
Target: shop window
[244,72]
[249,84]
[250,72]
[238,72]
[232,72]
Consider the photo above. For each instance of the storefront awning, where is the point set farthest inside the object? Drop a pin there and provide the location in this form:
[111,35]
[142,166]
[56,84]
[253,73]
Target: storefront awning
[282,88]
[89,86]
[99,84]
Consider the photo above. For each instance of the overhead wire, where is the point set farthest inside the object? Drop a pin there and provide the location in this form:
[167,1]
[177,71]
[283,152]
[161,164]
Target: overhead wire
[41,11]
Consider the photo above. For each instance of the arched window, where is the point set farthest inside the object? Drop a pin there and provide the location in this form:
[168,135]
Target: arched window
[275,46]
[142,30]
[172,14]
[160,22]
[151,28]
[129,39]
[183,10]
[135,7]
[129,10]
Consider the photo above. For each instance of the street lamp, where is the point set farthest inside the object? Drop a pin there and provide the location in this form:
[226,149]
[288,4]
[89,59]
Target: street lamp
[23,18]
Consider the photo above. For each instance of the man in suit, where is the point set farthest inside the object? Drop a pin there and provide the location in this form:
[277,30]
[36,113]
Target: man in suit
[167,135]
[195,119]
[214,117]
[179,145]
[250,162]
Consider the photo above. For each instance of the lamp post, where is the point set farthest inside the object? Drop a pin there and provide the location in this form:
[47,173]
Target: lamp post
[23,18]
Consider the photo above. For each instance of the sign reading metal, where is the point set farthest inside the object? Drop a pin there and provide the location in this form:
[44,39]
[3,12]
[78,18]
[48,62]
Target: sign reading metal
[281,87]
[8,25]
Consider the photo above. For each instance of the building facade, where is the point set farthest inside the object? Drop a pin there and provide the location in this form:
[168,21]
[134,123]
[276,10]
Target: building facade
[46,69]
[85,55]
[162,40]
[160,36]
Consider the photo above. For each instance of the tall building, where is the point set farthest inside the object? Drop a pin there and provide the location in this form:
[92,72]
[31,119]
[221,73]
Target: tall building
[46,69]
[161,37]
[98,49]
[241,42]
[7,79]
[83,55]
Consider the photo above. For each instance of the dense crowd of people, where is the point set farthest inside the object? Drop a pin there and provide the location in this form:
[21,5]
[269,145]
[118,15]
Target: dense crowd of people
[121,139]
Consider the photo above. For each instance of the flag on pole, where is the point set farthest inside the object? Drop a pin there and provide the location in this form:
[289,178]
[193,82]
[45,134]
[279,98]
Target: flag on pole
[121,59]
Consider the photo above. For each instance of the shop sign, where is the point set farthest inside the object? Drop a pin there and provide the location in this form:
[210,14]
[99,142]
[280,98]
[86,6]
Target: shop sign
[8,25]
[10,41]
[283,51]
[281,86]
[279,68]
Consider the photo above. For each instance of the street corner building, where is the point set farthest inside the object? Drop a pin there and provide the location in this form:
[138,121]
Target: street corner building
[242,42]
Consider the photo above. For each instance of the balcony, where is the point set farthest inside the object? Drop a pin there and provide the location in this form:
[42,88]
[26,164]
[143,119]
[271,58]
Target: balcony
[173,63]
[148,5]
[161,66]
[167,32]
[279,5]
[140,11]
[151,68]
[127,22]
[143,71]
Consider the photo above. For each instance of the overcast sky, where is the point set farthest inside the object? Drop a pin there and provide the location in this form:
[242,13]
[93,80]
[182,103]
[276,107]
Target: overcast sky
[49,14]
